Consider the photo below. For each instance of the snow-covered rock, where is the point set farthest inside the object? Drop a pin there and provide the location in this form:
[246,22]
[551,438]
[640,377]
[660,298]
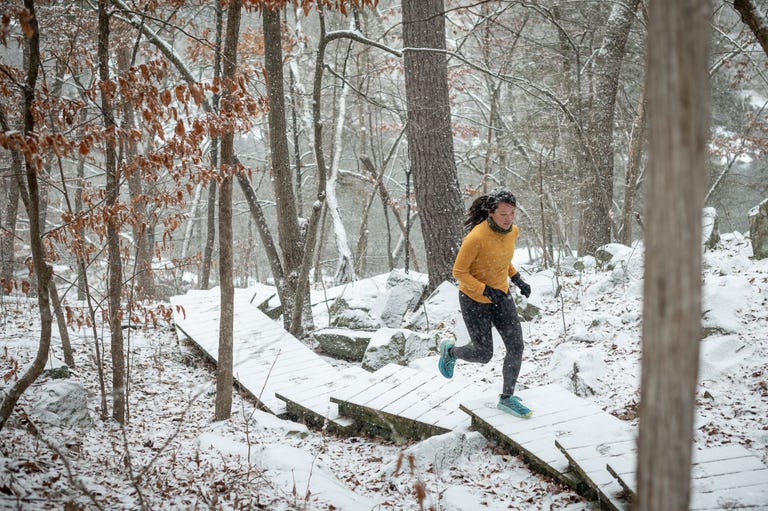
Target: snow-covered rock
[758,229]
[440,308]
[343,343]
[577,368]
[709,226]
[721,354]
[355,317]
[404,293]
[723,298]
[62,403]
[437,453]
[396,345]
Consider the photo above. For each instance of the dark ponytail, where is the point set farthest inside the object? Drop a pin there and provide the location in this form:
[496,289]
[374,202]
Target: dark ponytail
[486,204]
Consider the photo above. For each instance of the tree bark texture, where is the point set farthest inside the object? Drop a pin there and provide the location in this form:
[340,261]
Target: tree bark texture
[597,193]
[634,160]
[32,202]
[224,377]
[115,278]
[677,82]
[756,20]
[430,138]
[288,230]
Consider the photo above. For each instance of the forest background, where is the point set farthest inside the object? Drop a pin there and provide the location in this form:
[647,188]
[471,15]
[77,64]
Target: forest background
[153,147]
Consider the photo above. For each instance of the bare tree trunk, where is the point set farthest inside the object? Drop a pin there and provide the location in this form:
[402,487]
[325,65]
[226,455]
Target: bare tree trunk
[82,281]
[754,19]
[210,231]
[289,233]
[679,115]
[140,227]
[430,138]
[61,322]
[345,271]
[224,377]
[8,233]
[210,235]
[115,278]
[598,182]
[634,159]
[31,201]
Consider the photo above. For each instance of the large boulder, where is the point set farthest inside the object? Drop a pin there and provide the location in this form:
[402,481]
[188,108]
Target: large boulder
[62,403]
[441,308]
[758,230]
[354,317]
[404,293]
[343,343]
[398,346]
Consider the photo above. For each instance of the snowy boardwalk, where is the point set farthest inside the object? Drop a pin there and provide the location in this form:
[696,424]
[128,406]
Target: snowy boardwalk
[557,413]
[405,403]
[727,477]
[267,359]
[573,440]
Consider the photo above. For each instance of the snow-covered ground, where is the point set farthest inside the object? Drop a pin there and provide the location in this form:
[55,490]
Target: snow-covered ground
[174,456]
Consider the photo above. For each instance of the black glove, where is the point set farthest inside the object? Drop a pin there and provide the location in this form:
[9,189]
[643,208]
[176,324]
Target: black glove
[525,289]
[494,295]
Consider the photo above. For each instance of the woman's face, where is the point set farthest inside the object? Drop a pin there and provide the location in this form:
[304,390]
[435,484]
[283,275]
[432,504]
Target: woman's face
[504,215]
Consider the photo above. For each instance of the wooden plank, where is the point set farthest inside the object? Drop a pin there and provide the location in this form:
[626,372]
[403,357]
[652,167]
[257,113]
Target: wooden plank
[588,453]
[754,497]
[542,455]
[382,380]
[266,358]
[532,438]
[311,403]
[408,403]
[721,478]
[400,393]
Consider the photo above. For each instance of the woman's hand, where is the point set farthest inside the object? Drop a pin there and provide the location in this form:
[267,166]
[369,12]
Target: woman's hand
[494,295]
[525,289]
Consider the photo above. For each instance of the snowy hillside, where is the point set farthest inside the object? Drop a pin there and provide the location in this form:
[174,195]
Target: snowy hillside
[173,456]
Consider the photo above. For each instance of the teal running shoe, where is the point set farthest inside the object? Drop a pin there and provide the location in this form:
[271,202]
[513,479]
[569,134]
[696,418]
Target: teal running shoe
[447,361]
[513,405]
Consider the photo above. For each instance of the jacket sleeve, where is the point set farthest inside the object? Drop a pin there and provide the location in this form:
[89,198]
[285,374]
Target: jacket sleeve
[511,270]
[467,254]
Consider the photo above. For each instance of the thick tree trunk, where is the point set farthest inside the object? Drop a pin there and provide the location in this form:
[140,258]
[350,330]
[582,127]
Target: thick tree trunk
[679,115]
[430,140]
[224,377]
[115,278]
[289,233]
[598,182]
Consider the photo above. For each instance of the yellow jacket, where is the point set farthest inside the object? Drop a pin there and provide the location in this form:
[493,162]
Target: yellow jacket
[485,258]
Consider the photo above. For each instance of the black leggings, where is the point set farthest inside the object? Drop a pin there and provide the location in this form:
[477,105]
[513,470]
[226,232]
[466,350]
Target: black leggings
[479,317]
